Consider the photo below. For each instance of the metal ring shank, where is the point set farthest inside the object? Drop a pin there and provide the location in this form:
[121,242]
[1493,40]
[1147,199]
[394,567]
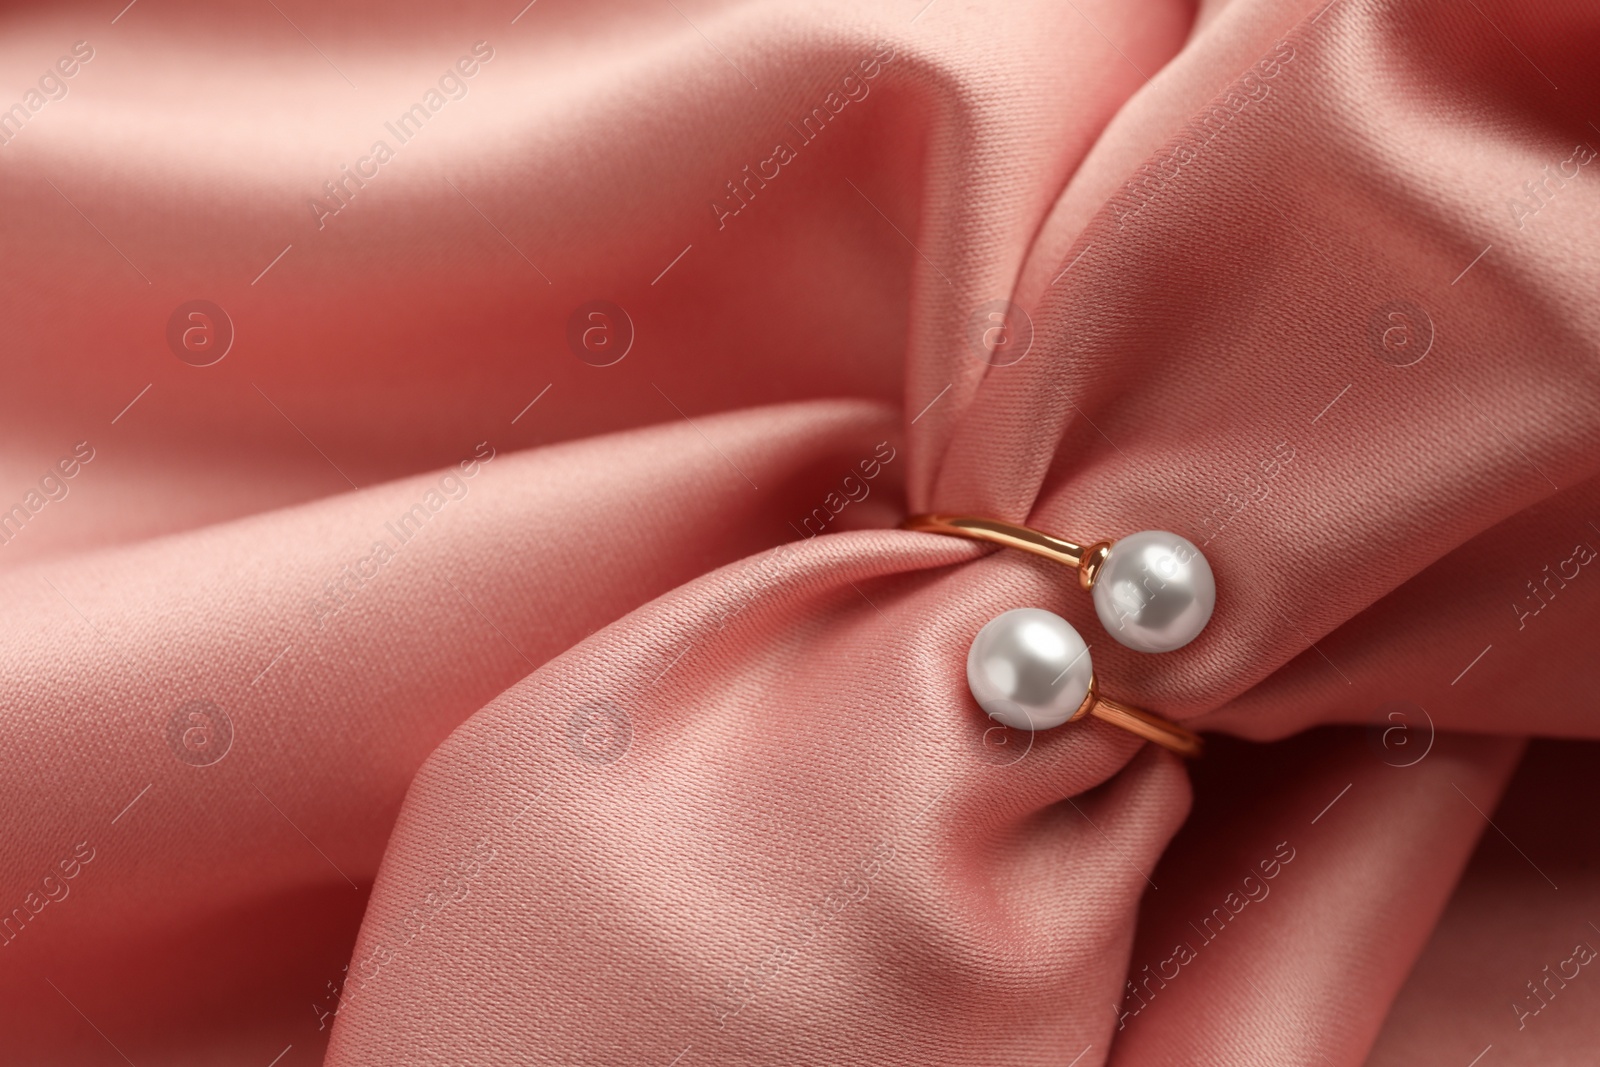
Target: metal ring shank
[1085,559]
[1168,735]
[999,533]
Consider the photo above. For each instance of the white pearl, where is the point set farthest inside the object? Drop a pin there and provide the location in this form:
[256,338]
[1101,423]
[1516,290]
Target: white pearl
[1155,591]
[1029,669]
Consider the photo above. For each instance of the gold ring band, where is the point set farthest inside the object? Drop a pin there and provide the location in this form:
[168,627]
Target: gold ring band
[1085,559]
[1151,727]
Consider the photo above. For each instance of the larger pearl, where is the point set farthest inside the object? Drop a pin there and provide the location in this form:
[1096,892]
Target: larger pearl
[1155,591]
[1029,669]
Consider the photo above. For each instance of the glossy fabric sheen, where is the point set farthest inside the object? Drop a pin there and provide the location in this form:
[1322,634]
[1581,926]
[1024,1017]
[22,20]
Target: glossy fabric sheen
[648,741]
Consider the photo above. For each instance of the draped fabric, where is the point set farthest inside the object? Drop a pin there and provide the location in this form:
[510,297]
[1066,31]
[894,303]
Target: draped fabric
[449,468]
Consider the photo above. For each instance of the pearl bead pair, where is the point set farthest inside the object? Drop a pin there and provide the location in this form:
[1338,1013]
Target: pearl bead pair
[1029,669]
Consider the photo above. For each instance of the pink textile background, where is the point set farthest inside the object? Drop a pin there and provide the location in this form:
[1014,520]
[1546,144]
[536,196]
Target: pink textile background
[601,759]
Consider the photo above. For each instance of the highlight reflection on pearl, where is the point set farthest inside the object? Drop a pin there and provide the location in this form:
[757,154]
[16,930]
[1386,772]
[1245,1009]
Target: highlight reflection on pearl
[1029,669]
[1155,591]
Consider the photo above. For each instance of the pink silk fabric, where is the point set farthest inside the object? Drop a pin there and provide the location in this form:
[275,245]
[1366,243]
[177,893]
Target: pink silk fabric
[645,737]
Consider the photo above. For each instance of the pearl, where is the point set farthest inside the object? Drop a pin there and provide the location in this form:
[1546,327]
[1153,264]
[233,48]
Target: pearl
[1029,669]
[1155,591]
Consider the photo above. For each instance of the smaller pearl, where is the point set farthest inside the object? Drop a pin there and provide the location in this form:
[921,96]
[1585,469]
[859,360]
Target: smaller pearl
[1155,591]
[1029,669]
